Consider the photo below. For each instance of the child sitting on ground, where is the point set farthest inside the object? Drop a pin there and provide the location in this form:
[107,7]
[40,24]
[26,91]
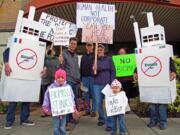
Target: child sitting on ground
[59,122]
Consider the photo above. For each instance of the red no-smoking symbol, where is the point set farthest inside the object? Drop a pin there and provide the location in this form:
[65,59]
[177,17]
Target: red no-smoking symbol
[151,66]
[26,59]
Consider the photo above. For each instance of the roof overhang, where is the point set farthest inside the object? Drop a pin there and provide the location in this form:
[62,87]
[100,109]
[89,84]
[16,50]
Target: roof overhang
[166,14]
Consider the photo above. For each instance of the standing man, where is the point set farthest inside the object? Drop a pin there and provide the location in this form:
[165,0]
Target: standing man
[69,62]
[25,106]
[158,111]
[88,79]
[51,64]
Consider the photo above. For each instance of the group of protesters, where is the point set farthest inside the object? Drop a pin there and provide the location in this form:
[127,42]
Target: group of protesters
[64,70]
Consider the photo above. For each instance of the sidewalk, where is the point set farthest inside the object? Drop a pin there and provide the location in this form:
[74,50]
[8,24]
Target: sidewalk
[88,126]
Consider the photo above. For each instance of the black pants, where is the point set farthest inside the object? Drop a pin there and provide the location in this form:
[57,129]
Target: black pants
[131,91]
[43,90]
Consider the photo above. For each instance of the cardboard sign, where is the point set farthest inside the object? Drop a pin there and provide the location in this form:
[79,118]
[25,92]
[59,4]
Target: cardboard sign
[61,36]
[124,64]
[107,90]
[98,34]
[95,14]
[53,22]
[153,66]
[61,101]
[26,58]
[115,105]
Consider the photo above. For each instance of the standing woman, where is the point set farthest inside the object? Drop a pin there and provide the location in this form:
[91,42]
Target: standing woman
[105,75]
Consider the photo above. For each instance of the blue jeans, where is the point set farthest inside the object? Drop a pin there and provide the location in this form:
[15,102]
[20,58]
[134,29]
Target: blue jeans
[24,114]
[88,82]
[99,104]
[59,125]
[121,120]
[75,88]
[158,113]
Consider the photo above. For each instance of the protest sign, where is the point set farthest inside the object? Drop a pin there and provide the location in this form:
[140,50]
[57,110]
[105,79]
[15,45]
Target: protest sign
[153,65]
[98,34]
[107,90]
[61,101]
[95,14]
[115,104]
[26,58]
[61,36]
[53,22]
[124,64]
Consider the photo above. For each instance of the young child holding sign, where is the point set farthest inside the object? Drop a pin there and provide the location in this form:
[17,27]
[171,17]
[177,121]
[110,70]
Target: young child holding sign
[59,117]
[120,116]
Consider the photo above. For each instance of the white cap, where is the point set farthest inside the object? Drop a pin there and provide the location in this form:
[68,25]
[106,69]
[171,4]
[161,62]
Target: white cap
[115,82]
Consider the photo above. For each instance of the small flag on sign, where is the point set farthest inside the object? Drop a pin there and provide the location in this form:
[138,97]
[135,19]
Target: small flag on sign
[138,50]
[16,40]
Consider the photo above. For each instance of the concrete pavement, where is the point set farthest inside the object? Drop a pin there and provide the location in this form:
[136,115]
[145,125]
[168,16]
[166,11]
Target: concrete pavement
[88,126]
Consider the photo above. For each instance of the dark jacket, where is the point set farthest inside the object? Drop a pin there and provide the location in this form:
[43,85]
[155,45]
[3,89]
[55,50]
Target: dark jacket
[6,55]
[86,65]
[70,65]
[105,71]
[172,66]
[52,64]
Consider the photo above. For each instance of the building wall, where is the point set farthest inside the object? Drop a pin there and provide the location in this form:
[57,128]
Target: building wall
[9,11]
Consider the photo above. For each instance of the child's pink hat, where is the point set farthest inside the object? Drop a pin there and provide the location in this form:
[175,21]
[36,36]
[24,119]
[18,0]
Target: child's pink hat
[60,73]
[115,82]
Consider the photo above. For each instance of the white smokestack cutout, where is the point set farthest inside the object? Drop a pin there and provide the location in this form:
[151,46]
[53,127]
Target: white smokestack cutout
[31,13]
[137,35]
[136,31]
[150,19]
[19,21]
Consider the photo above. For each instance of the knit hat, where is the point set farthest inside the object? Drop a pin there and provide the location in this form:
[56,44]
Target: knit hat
[60,73]
[101,46]
[115,82]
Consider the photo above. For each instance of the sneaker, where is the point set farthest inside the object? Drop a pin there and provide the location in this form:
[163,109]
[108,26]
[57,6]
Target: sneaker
[27,123]
[8,126]
[162,126]
[150,125]
[122,133]
[100,123]
[113,133]
[93,114]
[108,129]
